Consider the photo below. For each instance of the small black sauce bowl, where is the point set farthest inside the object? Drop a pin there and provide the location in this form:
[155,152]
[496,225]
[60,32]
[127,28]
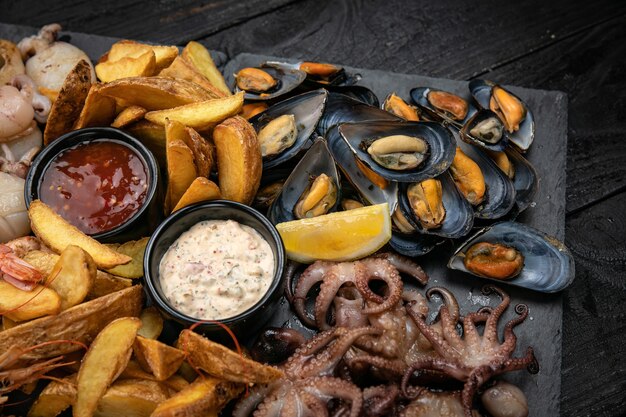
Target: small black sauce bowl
[139,224]
[250,321]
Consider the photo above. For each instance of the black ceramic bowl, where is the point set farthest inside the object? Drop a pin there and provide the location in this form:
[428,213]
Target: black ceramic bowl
[145,220]
[243,324]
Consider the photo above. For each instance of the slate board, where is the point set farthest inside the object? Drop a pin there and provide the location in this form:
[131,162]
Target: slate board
[542,329]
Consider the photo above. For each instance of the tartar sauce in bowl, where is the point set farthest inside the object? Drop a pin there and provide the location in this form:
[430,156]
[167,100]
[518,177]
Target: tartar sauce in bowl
[216,270]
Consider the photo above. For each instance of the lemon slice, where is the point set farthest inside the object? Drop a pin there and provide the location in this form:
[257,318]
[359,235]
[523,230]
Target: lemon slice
[341,236]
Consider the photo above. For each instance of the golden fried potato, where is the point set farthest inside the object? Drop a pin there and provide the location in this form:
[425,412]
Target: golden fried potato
[221,362]
[135,249]
[20,305]
[152,135]
[57,234]
[128,116]
[199,399]
[200,115]
[239,159]
[69,103]
[134,371]
[198,56]
[81,323]
[183,70]
[181,171]
[104,361]
[151,323]
[7,323]
[142,66]
[201,189]
[157,357]
[73,276]
[176,383]
[131,398]
[200,147]
[56,397]
[164,55]
[156,93]
[98,110]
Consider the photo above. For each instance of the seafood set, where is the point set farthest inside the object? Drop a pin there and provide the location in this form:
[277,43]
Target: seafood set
[362,338]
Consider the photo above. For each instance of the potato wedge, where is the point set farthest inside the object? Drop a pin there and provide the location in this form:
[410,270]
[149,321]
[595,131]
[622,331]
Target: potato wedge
[131,398]
[156,93]
[152,135]
[199,398]
[81,323]
[181,69]
[73,276]
[239,159]
[221,362]
[57,396]
[157,357]
[69,103]
[151,323]
[20,305]
[134,371]
[201,115]
[181,171]
[128,116]
[57,234]
[176,383]
[135,249]
[199,146]
[142,66]
[164,55]
[201,189]
[104,361]
[7,323]
[98,110]
[196,54]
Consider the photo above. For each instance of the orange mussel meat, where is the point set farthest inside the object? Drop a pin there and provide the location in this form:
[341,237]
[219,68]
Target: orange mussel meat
[494,260]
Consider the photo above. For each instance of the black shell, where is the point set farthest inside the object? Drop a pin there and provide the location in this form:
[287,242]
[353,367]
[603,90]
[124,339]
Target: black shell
[288,79]
[525,180]
[476,118]
[414,244]
[419,95]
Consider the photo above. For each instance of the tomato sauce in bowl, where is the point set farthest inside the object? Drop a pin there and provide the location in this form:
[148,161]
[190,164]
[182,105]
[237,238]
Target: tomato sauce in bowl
[96,185]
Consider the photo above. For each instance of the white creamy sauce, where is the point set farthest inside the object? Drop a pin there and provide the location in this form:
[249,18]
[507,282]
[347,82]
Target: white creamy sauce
[216,269]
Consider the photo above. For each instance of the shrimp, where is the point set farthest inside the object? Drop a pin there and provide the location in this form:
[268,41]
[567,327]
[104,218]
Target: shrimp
[17,272]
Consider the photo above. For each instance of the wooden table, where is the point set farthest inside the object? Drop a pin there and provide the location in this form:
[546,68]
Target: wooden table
[573,46]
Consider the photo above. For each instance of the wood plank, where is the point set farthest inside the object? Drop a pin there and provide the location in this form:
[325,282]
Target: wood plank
[449,38]
[589,67]
[169,22]
[594,372]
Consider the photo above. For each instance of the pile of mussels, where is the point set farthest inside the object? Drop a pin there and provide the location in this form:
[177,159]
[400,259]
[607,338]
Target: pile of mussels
[439,163]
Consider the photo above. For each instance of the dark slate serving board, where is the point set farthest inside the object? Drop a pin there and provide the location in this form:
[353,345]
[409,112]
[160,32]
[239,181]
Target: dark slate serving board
[542,330]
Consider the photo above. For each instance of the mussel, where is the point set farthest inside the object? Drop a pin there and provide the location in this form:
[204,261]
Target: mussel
[484,129]
[395,105]
[503,162]
[254,80]
[278,135]
[425,199]
[318,198]
[493,260]
[319,74]
[266,82]
[443,106]
[548,265]
[397,152]
[508,107]
[468,177]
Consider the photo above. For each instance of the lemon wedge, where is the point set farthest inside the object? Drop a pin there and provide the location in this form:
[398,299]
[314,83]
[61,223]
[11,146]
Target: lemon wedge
[341,236]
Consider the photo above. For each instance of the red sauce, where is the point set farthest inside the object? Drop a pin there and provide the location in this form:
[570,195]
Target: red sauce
[96,186]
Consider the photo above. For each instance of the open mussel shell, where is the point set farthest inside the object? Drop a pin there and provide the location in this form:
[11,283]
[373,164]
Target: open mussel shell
[440,153]
[419,95]
[525,180]
[459,217]
[500,193]
[548,264]
[339,78]
[287,80]
[413,244]
[307,108]
[315,162]
[522,138]
[357,92]
[341,108]
[485,129]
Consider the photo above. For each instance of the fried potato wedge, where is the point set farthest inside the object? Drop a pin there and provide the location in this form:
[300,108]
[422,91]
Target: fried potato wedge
[199,398]
[152,135]
[151,323]
[239,159]
[7,323]
[104,361]
[104,283]
[56,397]
[157,357]
[128,116]
[176,383]
[98,110]
[81,323]
[199,146]
[201,115]
[69,103]
[181,69]
[198,56]
[201,189]
[131,398]
[72,276]
[57,234]
[164,55]
[20,305]
[142,66]
[134,371]
[181,171]
[135,249]
[156,93]
[221,362]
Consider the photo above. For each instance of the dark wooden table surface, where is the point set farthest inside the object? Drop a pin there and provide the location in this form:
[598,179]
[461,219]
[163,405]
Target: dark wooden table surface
[575,46]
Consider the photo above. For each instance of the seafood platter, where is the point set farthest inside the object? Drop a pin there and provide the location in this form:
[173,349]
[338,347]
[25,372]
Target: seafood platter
[187,235]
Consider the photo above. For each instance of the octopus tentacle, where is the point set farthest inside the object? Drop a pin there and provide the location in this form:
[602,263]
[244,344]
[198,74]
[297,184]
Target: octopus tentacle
[449,300]
[291,267]
[331,387]
[311,276]
[510,339]
[529,361]
[470,333]
[314,405]
[439,344]
[491,326]
[405,265]
[380,400]
[395,366]
[348,306]
[246,405]
[337,276]
[475,381]
[369,269]
[450,334]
